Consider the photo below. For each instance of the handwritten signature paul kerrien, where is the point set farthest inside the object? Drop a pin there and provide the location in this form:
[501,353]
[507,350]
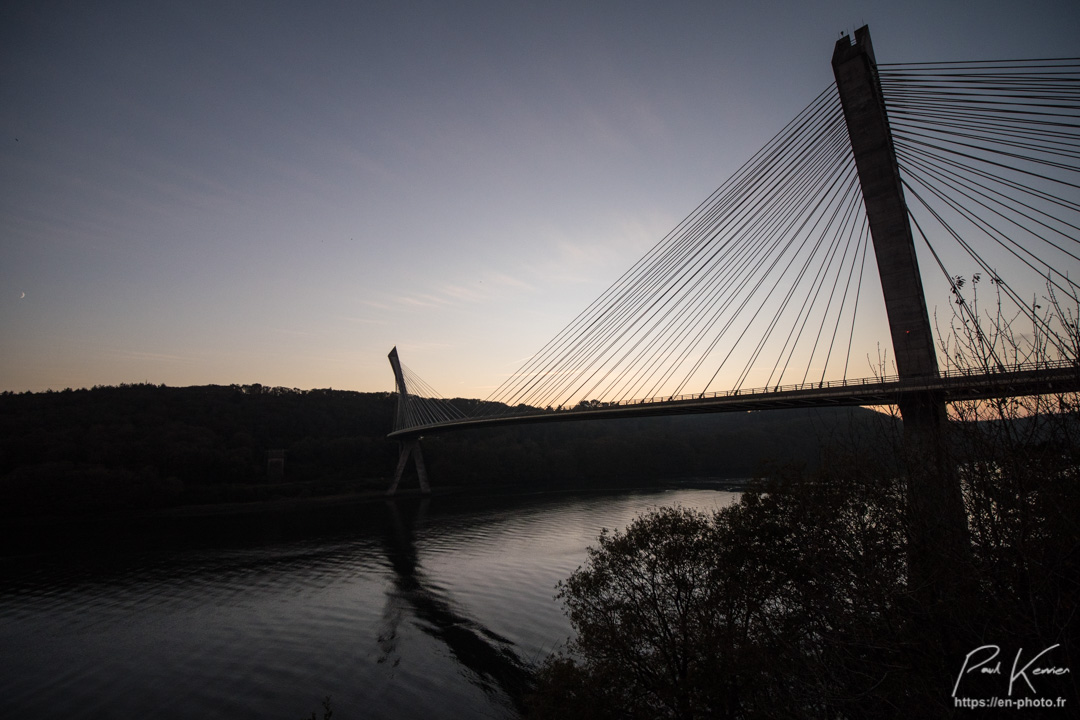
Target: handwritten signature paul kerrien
[990,652]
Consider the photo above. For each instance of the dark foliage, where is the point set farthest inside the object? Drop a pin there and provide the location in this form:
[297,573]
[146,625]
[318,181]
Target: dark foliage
[139,447]
[726,445]
[328,711]
[796,601]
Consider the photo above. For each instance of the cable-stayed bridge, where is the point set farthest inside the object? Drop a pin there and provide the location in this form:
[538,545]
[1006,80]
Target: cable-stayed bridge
[428,415]
[763,297]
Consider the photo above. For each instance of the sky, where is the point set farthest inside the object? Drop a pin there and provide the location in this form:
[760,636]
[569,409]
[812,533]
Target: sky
[279,193]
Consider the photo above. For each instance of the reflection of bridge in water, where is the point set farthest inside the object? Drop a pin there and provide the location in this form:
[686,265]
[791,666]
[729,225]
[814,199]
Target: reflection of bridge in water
[491,658]
[966,165]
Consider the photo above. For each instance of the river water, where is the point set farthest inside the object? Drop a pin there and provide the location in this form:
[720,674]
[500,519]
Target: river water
[414,609]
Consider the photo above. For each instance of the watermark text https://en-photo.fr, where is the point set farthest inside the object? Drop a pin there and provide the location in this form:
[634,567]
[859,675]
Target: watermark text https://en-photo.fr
[1020,688]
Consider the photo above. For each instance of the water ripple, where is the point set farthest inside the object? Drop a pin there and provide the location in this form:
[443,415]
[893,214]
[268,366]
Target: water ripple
[430,609]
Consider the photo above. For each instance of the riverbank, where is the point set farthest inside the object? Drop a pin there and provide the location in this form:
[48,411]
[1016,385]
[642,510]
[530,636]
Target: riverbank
[280,517]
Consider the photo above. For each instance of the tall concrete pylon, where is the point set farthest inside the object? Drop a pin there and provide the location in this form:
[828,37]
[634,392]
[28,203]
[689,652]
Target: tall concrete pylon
[411,447]
[879,175]
[939,524]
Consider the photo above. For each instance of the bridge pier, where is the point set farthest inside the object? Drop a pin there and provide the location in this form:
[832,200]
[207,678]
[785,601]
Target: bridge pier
[407,449]
[939,542]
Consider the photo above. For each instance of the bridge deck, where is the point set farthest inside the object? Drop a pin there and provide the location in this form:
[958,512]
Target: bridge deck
[953,386]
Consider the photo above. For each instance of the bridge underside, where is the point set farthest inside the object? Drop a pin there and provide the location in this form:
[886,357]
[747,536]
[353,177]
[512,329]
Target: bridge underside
[868,392]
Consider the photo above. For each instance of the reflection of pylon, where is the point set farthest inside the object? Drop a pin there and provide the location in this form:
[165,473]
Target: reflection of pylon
[409,447]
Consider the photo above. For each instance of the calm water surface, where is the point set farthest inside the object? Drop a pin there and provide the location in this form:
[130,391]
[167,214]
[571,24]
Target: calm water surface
[416,609]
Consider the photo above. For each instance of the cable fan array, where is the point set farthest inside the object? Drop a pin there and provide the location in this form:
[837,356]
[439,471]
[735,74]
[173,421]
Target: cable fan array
[761,284]
[989,154]
[758,284]
[421,405]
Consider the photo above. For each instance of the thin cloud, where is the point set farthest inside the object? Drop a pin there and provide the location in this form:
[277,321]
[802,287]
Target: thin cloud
[363,320]
[158,357]
[504,280]
[422,301]
[461,293]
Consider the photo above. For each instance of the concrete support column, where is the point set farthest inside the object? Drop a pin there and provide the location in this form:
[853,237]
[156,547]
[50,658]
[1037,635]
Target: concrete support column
[410,448]
[939,542]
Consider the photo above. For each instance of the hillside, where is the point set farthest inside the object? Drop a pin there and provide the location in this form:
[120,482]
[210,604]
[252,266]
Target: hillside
[139,447]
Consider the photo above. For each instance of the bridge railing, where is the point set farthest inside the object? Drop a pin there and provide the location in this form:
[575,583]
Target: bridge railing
[880,388]
[997,369]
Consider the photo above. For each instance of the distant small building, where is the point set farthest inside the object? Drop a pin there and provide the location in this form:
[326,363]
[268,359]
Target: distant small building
[275,464]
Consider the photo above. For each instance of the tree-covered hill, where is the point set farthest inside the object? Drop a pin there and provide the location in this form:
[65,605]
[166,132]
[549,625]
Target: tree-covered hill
[138,447]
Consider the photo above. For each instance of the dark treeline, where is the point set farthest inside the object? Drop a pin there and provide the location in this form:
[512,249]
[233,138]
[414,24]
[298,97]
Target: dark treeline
[139,447]
[145,446]
[722,445]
